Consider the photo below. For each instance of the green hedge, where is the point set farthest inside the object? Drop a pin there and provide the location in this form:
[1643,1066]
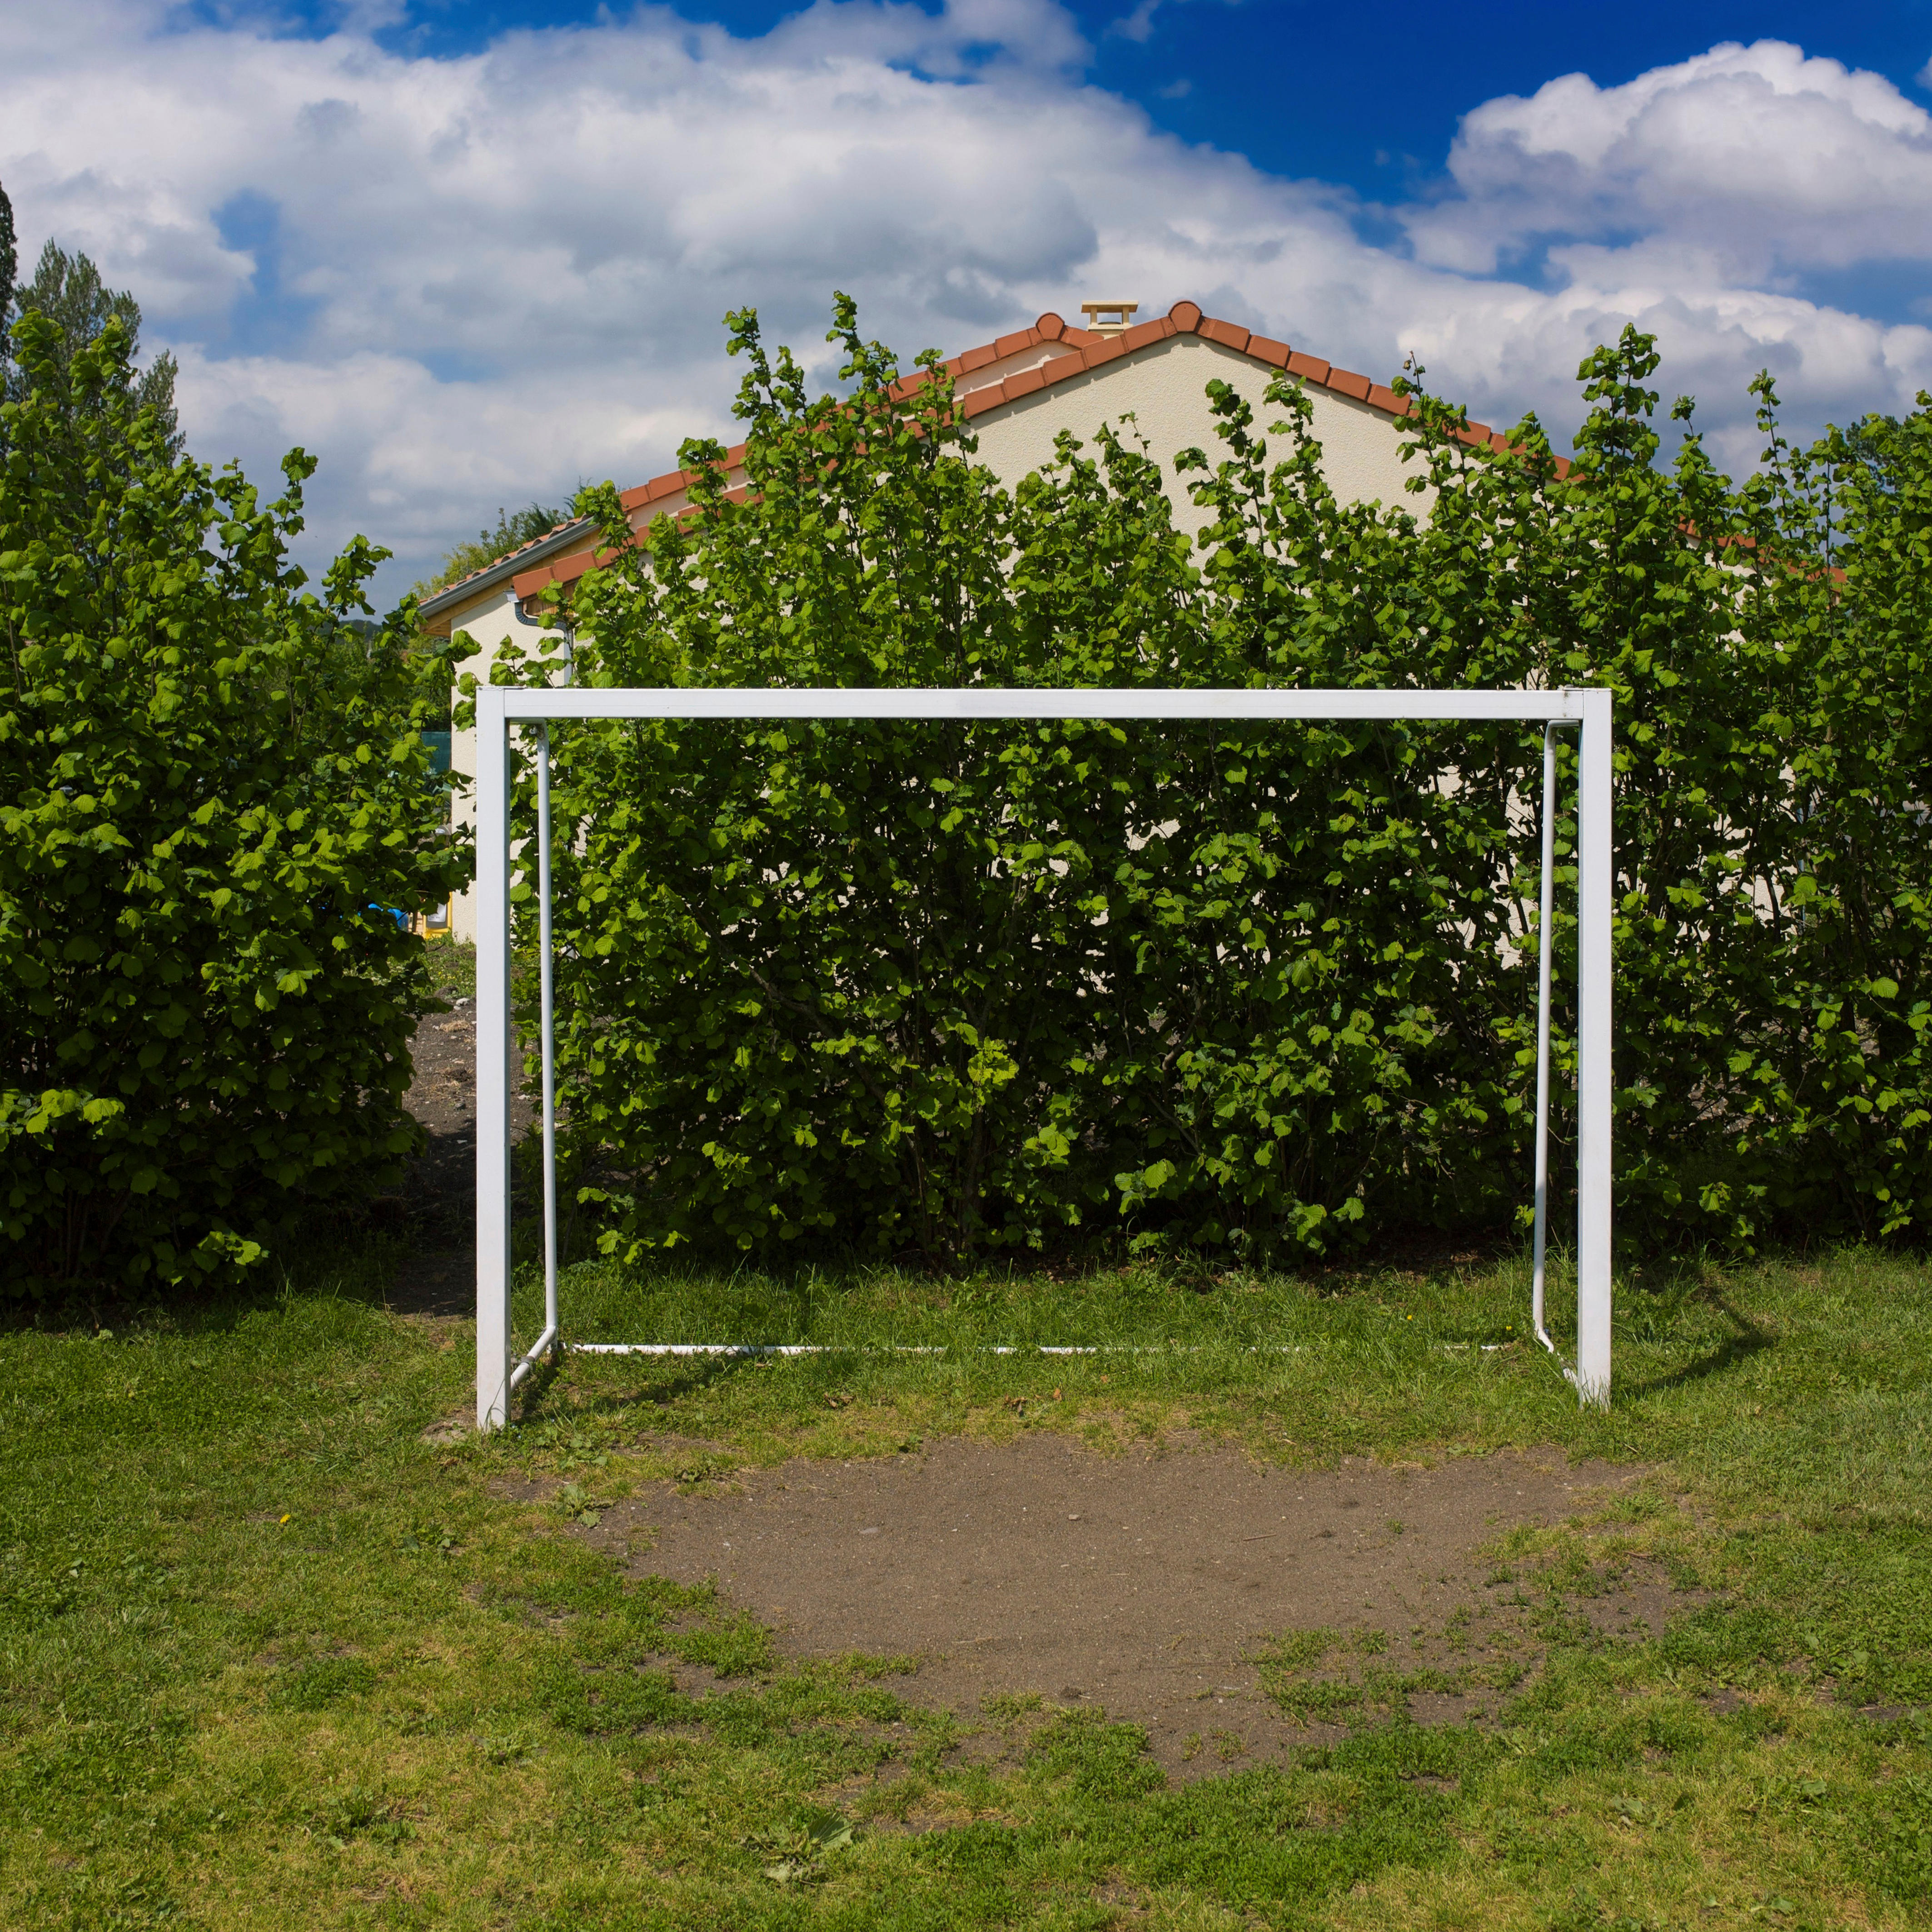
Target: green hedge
[214,800]
[925,987]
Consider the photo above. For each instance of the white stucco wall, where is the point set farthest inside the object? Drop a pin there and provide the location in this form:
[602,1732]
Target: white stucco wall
[494,618]
[1164,386]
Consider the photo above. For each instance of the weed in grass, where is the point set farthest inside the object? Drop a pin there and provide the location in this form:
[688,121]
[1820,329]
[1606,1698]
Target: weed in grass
[362,1812]
[321,1682]
[575,1506]
[1006,1707]
[797,1853]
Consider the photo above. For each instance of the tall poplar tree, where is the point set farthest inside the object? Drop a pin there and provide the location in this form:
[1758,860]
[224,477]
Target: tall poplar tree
[68,290]
[10,262]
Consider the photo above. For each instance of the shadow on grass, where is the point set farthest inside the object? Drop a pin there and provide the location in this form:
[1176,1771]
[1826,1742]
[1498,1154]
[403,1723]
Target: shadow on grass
[1749,1340]
[706,1371]
[331,1256]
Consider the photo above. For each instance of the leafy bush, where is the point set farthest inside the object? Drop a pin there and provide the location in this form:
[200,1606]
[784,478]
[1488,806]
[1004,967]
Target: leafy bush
[215,802]
[941,987]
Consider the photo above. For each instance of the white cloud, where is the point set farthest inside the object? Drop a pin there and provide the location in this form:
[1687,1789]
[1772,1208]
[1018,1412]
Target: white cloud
[1766,161]
[504,271]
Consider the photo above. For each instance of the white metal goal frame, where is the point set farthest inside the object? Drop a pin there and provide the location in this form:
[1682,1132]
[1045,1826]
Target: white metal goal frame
[500,1369]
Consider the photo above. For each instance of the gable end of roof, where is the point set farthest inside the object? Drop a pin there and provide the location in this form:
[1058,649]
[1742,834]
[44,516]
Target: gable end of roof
[1089,351]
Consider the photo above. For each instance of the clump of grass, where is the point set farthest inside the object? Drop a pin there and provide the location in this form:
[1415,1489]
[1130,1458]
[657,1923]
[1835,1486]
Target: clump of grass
[452,968]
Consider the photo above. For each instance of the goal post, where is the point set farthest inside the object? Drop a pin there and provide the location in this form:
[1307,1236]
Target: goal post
[499,708]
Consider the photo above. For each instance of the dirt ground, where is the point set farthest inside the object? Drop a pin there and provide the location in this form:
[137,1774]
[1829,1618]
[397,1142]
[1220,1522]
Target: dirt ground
[439,1198]
[1149,1584]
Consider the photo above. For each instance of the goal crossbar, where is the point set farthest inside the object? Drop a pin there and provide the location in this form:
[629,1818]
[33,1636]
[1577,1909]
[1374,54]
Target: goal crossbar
[500,1368]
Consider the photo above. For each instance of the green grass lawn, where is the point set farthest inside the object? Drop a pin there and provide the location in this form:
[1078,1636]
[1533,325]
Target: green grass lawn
[272,1658]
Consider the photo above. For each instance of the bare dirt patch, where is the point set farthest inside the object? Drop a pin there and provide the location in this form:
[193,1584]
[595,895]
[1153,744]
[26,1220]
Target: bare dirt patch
[438,1203]
[1163,1587]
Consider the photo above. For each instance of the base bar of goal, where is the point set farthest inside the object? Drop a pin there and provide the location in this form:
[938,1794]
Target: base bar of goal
[500,1369]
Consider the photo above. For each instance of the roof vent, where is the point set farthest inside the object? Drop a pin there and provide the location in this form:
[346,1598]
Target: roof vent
[1108,318]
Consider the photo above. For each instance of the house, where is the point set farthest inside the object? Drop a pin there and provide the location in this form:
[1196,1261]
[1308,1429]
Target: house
[1018,393]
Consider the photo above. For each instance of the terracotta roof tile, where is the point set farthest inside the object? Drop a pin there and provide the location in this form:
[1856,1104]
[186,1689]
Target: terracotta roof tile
[564,570]
[1229,334]
[1094,352]
[1144,334]
[496,563]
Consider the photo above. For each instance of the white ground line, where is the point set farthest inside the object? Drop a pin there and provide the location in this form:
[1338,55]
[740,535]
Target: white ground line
[787,1348]
[905,1348]
[941,1348]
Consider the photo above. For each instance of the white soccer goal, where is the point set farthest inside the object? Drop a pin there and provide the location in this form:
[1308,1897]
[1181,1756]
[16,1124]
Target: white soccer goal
[499,1369]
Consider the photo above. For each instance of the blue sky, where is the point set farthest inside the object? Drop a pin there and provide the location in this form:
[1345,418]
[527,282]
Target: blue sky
[1394,79]
[469,254]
